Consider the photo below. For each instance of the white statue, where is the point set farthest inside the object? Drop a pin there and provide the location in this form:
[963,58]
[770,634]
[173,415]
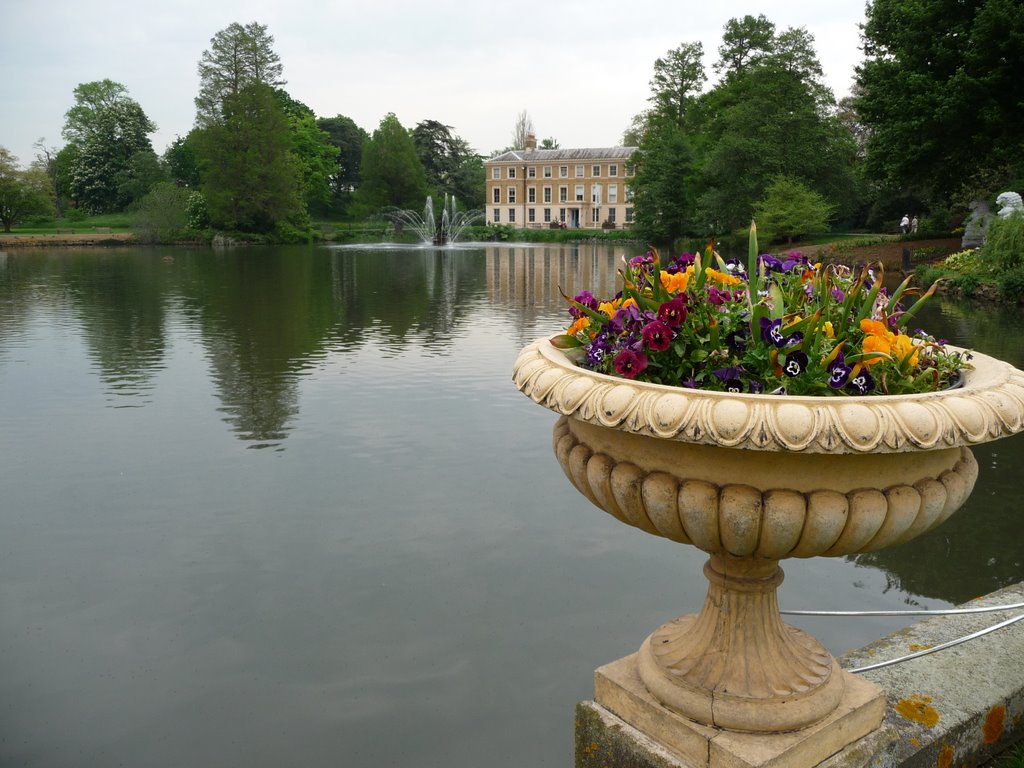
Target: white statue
[1010,203]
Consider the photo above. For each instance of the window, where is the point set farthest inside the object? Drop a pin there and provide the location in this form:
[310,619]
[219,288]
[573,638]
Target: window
[511,194]
[495,172]
[531,215]
[531,195]
[613,193]
[511,215]
[595,194]
[496,195]
[547,215]
[579,171]
[613,170]
[531,172]
[497,215]
[595,171]
[579,193]
[547,171]
[561,215]
[511,172]
[547,194]
[611,215]
[563,194]
[629,215]
[595,215]
[563,171]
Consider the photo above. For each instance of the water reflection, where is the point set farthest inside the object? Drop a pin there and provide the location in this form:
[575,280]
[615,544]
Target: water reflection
[384,561]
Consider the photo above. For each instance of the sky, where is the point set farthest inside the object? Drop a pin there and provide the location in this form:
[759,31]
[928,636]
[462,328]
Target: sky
[581,70]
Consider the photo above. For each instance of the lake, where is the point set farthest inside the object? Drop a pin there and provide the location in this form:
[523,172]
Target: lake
[284,506]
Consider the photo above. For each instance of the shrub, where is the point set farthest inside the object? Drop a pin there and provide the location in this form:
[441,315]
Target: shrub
[76,214]
[1011,284]
[1004,242]
[161,215]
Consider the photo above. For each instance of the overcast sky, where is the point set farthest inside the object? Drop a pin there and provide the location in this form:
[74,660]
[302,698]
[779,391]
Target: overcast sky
[580,69]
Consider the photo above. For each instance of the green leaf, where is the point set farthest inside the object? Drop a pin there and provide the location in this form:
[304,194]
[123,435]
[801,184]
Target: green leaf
[565,341]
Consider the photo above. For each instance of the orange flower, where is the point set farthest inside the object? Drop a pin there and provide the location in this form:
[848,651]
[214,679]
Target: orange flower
[580,324]
[675,283]
[875,328]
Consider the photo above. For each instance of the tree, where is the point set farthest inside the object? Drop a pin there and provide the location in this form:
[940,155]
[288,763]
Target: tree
[238,57]
[770,115]
[46,160]
[521,130]
[314,153]
[251,179]
[789,208]
[678,79]
[393,175]
[550,143]
[942,95]
[22,193]
[450,164]
[107,128]
[348,138]
[745,42]
[663,191]
[180,160]
[143,170]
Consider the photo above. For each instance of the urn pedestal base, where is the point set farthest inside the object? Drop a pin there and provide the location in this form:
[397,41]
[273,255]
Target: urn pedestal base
[618,688]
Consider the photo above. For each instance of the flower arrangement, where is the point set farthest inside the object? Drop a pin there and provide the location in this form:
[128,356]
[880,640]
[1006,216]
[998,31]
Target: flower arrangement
[776,326]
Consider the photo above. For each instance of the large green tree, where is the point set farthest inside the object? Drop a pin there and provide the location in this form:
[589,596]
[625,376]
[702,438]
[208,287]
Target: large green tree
[22,193]
[315,154]
[450,164]
[770,115]
[678,77]
[343,133]
[238,56]
[663,188]
[393,176]
[180,160]
[942,95]
[251,178]
[108,131]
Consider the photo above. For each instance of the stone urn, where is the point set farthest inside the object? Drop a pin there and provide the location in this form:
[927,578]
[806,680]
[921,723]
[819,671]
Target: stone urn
[752,480]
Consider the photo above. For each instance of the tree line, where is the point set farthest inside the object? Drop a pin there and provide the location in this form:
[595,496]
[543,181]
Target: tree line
[934,121]
[256,160]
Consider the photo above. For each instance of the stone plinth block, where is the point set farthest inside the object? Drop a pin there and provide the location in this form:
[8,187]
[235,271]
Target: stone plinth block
[619,689]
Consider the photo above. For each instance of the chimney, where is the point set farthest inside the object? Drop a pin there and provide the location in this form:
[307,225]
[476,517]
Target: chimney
[531,142]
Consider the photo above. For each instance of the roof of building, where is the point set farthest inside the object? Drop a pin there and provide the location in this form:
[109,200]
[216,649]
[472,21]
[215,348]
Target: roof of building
[554,155]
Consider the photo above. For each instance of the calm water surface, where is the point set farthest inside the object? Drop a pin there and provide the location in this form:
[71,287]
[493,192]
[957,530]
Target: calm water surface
[285,507]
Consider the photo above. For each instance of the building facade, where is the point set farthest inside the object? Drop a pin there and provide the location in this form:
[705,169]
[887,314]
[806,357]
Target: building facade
[573,188]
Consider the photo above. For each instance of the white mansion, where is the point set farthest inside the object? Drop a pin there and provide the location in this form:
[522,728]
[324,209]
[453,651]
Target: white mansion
[560,187]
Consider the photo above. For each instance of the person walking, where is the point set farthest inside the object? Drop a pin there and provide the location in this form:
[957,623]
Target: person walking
[913,225]
[904,224]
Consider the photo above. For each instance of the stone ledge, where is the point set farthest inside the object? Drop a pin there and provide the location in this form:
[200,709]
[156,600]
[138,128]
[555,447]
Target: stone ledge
[975,690]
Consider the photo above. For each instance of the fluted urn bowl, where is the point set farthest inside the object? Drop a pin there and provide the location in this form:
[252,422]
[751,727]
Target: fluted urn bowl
[751,480]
